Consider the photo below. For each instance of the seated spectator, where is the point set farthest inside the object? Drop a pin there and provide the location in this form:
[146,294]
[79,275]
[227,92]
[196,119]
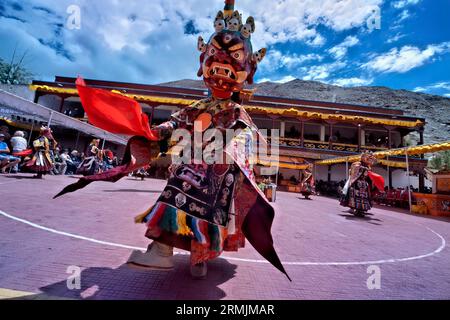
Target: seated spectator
[75,156]
[56,161]
[6,160]
[5,131]
[65,161]
[107,162]
[18,142]
[74,163]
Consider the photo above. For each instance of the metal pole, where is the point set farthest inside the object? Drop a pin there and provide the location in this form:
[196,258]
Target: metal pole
[346,169]
[78,139]
[388,169]
[103,144]
[276,178]
[31,131]
[315,172]
[50,119]
[409,180]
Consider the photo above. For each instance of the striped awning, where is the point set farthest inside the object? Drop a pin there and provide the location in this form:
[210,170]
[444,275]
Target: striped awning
[416,150]
[284,162]
[291,112]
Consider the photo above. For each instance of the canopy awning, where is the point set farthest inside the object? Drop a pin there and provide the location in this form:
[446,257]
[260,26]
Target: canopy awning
[393,164]
[284,162]
[291,112]
[416,150]
[11,105]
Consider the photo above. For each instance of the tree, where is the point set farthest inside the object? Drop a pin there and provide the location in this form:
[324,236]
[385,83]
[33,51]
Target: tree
[440,161]
[14,72]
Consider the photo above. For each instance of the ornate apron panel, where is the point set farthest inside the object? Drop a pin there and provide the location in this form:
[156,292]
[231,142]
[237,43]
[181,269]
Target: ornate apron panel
[203,191]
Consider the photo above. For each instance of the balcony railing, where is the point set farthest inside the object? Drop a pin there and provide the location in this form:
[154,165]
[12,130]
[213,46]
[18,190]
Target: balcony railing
[322,145]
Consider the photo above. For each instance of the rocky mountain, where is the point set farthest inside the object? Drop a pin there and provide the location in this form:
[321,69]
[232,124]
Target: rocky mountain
[436,109]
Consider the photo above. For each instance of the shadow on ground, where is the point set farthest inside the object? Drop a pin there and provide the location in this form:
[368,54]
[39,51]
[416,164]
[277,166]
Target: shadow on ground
[367,218]
[127,283]
[20,177]
[133,190]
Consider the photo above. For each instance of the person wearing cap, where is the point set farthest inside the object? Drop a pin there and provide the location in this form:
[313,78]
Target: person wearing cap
[6,160]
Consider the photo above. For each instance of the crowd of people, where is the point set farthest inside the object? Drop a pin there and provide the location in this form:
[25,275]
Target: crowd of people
[45,155]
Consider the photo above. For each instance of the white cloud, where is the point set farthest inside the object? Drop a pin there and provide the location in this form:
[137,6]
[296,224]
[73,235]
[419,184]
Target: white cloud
[318,41]
[403,3]
[441,88]
[321,72]
[419,89]
[404,59]
[403,16]
[341,49]
[293,20]
[395,38]
[435,86]
[275,60]
[352,82]
[136,43]
[282,80]
[147,43]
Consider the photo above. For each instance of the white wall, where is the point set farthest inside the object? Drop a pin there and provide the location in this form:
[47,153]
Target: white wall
[399,178]
[18,90]
[50,101]
[321,173]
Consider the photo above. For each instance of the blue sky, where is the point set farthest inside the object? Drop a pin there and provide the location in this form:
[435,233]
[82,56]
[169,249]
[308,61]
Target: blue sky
[155,41]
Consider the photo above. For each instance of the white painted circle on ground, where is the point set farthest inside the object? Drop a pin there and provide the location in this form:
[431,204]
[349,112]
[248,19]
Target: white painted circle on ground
[291,263]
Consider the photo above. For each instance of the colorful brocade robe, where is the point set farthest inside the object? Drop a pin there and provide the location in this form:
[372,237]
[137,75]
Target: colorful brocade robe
[205,208]
[204,205]
[357,192]
[42,161]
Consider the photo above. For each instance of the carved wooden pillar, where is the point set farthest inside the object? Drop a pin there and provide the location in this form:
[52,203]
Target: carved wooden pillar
[61,104]
[359,137]
[330,128]
[37,95]
[152,115]
[322,133]
[389,134]
[389,138]
[302,133]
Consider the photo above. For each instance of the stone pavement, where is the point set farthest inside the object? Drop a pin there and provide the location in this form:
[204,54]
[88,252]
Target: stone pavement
[326,250]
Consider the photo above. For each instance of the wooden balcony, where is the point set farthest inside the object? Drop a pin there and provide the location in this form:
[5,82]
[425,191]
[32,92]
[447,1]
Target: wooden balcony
[322,145]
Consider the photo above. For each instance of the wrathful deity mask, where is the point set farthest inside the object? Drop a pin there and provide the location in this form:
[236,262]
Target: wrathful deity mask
[227,61]
[368,158]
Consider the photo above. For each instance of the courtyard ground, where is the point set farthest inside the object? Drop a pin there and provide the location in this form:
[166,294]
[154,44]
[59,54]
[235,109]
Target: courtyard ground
[328,253]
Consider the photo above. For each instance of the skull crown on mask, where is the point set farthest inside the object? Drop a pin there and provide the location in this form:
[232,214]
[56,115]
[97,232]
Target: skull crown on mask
[227,60]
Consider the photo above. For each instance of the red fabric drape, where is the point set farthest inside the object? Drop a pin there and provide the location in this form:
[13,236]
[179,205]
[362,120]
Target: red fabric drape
[113,112]
[23,153]
[377,180]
